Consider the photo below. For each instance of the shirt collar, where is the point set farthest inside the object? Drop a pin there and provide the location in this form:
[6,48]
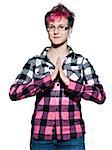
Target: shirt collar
[44,52]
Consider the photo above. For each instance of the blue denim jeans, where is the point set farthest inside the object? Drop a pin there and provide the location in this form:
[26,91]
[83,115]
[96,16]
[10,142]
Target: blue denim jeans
[73,144]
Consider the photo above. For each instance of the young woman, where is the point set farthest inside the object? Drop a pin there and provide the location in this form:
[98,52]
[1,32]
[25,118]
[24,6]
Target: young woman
[59,78]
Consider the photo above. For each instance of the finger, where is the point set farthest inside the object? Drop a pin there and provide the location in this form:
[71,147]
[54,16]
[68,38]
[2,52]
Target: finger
[59,59]
[59,62]
[57,66]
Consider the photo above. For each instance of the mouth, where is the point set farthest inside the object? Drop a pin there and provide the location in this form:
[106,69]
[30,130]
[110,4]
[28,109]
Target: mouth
[56,37]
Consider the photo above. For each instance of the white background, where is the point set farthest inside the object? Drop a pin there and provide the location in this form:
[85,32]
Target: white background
[23,35]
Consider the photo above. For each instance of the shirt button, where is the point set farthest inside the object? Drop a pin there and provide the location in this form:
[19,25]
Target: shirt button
[52,130]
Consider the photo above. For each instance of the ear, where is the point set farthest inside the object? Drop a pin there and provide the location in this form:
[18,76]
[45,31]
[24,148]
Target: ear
[70,30]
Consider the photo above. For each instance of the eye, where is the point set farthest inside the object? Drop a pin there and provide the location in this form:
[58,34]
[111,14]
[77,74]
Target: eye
[51,27]
[61,27]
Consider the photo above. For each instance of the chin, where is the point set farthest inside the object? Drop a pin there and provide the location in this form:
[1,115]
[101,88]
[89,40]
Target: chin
[57,41]
[56,45]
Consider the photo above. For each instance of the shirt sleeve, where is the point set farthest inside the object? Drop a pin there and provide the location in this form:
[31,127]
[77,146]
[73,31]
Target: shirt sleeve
[91,89]
[26,85]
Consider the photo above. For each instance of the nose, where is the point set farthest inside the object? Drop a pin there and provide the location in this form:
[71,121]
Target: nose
[56,30]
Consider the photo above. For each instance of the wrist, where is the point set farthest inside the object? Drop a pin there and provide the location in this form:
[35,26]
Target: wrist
[67,81]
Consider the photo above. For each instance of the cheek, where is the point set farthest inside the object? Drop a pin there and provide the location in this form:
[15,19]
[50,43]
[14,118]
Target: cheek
[49,36]
[66,36]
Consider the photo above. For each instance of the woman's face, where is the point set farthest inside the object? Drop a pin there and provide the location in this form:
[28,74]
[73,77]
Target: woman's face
[58,31]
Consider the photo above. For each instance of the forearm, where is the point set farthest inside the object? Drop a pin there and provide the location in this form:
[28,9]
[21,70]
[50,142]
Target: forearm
[19,91]
[64,78]
[93,93]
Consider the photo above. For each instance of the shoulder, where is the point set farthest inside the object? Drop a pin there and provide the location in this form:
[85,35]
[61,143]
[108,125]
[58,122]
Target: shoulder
[83,60]
[41,56]
[34,59]
[80,59]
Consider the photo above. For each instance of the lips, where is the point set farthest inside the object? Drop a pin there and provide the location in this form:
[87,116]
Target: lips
[56,37]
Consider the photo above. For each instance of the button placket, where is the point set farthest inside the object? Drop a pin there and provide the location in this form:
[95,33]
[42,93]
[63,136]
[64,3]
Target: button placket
[58,84]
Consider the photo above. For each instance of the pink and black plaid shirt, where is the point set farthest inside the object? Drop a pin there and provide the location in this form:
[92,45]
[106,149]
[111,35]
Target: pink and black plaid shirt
[57,114]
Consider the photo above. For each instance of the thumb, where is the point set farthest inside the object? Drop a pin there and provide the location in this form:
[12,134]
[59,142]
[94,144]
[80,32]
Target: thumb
[59,62]
[56,67]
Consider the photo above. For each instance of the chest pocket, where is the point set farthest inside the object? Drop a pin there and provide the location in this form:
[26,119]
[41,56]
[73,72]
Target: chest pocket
[41,71]
[74,72]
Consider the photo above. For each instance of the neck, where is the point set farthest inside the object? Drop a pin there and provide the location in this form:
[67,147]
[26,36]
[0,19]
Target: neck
[59,50]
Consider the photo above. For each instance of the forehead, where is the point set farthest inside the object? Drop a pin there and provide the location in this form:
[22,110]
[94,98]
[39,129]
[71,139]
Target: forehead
[59,21]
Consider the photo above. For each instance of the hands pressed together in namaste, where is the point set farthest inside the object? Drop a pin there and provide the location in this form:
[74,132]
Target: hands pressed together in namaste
[58,68]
